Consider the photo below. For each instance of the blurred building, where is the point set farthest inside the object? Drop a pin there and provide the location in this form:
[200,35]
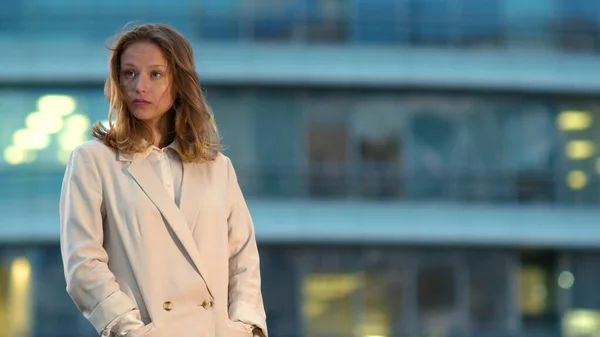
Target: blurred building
[414,167]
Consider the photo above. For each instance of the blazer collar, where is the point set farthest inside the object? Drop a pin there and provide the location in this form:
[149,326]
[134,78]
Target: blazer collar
[122,156]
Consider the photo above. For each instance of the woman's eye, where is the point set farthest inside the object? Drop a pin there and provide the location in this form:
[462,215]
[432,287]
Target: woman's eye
[156,75]
[128,73]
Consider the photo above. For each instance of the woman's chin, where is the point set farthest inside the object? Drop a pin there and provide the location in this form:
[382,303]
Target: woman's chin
[143,116]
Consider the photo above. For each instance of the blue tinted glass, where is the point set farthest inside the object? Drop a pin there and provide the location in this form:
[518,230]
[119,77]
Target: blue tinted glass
[580,8]
[480,20]
[429,22]
[379,21]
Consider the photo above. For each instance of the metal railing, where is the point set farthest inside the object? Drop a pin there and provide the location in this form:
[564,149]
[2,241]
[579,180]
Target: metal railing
[386,185]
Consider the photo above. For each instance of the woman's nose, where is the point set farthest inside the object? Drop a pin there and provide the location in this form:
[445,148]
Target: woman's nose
[141,84]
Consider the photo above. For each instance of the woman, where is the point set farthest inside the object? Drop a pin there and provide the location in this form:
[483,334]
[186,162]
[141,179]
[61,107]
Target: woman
[156,237]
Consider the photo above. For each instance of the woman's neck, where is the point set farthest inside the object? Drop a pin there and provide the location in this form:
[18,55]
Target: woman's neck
[163,130]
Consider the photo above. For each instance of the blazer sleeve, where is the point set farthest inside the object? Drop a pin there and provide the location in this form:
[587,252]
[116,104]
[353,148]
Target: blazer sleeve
[90,283]
[245,296]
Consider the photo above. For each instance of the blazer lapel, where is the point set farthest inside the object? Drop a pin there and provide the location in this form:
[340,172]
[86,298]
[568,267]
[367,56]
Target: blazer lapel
[149,182]
[189,194]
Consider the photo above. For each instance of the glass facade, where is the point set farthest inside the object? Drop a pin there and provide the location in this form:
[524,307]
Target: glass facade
[563,25]
[318,291]
[325,143]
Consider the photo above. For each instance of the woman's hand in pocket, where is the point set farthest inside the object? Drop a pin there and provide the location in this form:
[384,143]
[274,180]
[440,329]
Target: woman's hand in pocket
[141,332]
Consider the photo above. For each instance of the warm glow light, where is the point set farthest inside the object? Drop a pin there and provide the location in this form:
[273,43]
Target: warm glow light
[312,308]
[574,120]
[77,123]
[44,122]
[577,179]
[21,270]
[55,115]
[534,298]
[58,105]
[328,287]
[30,139]
[74,133]
[19,322]
[14,155]
[580,149]
[581,322]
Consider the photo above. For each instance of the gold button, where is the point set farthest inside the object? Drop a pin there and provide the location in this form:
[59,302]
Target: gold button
[207,304]
[167,305]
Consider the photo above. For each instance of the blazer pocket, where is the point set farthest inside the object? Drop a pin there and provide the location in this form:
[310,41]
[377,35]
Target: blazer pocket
[145,331]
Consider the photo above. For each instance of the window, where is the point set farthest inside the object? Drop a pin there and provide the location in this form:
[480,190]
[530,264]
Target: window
[219,19]
[326,20]
[276,20]
[331,287]
[277,125]
[328,141]
[436,298]
[480,23]
[538,286]
[578,25]
[328,161]
[380,176]
[379,295]
[54,307]
[39,129]
[579,141]
[378,144]
[380,21]
[488,291]
[430,22]
[383,294]
[529,24]
[328,304]
[586,273]
[16,302]
[43,126]
[235,117]
[281,283]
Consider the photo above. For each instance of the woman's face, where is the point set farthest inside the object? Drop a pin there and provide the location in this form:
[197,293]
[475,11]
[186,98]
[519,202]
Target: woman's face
[146,82]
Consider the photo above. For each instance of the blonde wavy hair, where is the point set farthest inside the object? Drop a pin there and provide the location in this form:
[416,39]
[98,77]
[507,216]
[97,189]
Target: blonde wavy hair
[195,129]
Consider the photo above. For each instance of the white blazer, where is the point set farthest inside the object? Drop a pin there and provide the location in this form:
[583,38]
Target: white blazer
[191,271]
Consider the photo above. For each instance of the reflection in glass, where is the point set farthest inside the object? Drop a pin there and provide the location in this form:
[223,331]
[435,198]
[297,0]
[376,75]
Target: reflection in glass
[19,302]
[327,304]
[436,299]
[487,292]
[585,268]
[378,299]
[537,279]
[534,292]
[327,157]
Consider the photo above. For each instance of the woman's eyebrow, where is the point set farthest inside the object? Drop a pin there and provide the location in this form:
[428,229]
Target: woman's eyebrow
[151,66]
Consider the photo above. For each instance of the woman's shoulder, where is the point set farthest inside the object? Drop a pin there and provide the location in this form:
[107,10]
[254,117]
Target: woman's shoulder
[220,164]
[223,161]
[94,148]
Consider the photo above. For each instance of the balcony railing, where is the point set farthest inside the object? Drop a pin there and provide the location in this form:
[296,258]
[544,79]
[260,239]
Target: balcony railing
[356,183]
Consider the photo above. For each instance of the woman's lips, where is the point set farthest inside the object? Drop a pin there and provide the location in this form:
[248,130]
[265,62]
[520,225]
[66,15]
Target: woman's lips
[140,102]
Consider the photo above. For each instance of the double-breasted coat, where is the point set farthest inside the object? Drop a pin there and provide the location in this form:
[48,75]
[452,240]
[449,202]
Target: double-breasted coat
[191,270]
